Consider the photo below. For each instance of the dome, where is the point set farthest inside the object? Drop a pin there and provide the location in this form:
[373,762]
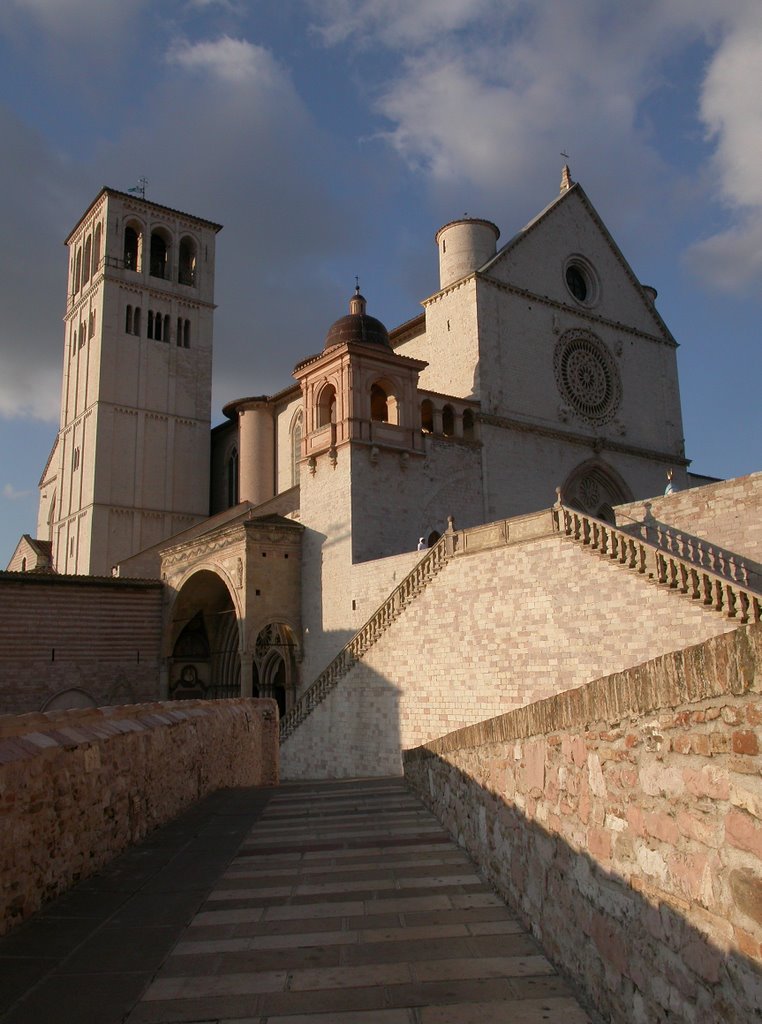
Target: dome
[357,326]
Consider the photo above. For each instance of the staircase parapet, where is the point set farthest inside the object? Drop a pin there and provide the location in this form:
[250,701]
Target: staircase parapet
[698,551]
[681,574]
[453,543]
[433,561]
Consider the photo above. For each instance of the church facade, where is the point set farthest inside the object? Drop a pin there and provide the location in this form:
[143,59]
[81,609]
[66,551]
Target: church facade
[538,365]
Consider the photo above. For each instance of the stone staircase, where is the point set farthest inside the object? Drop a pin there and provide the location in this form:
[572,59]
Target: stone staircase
[424,571]
[714,587]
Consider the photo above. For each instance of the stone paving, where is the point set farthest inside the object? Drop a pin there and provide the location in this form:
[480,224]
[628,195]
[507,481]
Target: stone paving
[345,902]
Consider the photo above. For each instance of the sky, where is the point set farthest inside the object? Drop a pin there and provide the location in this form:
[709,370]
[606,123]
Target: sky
[332,138]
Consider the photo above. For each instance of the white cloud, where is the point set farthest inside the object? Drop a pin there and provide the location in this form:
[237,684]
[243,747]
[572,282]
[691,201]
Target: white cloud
[10,492]
[231,60]
[482,93]
[731,108]
[731,261]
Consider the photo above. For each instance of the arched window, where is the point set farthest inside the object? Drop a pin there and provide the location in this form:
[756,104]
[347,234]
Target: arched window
[132,240]
[97,236]
[159,255]
[78,271]
[149,330]
[379,407]
[136,322]
[448,421]
[296,449]
[186,333]
[166,327]
[87,259]
[157,326]
[326,406]
[186,270]
[427,416]
[468,426]
[91,324]
[128,320]
[232,474]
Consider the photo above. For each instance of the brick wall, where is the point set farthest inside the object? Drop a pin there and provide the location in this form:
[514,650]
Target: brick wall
[100,637]
[77,787]
[495,630]
[623,822]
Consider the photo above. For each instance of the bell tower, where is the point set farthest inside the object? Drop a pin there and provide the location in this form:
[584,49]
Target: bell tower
[130,465]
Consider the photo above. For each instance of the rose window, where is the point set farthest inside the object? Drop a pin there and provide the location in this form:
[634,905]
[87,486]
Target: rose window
[587,376]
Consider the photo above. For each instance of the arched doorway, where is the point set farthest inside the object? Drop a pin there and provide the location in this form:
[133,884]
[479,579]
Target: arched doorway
[274,667]
[204,640]
[594,488]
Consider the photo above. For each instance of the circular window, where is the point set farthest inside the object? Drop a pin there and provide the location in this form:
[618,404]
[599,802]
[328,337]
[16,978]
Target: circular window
[587,376]
[581,280]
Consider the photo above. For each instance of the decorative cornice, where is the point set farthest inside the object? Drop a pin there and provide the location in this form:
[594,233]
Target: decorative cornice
[597,443]
[575,311]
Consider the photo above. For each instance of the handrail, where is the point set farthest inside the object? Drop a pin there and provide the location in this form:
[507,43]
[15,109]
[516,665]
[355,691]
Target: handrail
[697,550]
[407,590]
[700,583]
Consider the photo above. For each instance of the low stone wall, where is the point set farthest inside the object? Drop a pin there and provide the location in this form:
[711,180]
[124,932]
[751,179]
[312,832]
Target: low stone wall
[77,787]
[623,821]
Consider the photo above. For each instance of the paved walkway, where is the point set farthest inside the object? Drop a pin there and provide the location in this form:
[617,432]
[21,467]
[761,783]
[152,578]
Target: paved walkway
[338,902]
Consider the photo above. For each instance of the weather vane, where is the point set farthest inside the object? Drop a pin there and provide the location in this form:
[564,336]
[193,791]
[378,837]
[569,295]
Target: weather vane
[140,188]
[564,155]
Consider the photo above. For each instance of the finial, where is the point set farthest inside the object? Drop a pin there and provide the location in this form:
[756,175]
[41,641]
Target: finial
[357,285]
[566,178]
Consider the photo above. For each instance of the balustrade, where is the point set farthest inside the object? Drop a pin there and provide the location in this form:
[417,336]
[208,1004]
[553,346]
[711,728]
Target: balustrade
[686,571]
[407,590]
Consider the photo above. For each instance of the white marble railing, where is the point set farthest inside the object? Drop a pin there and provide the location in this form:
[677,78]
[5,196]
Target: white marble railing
[678,572]
[411,586]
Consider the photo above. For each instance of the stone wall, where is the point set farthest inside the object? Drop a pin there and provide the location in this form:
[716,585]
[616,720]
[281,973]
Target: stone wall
[724,514]
[502,627]
[62,637]
[77,787]
[623,822]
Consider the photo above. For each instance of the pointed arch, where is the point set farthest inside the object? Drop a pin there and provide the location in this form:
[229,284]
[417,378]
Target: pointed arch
[203,638]
[594,487]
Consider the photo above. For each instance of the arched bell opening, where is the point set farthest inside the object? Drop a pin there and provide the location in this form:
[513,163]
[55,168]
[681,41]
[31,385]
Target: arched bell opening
[204,641]
[326,406]
[384,407]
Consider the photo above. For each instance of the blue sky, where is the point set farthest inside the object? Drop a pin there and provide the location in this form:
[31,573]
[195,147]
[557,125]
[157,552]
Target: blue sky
[333,137]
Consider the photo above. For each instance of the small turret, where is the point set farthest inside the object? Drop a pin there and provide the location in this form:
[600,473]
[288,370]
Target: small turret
[464,246]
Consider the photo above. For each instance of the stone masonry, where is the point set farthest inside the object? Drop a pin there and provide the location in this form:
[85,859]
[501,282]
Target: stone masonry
[623,820]
[77,787]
